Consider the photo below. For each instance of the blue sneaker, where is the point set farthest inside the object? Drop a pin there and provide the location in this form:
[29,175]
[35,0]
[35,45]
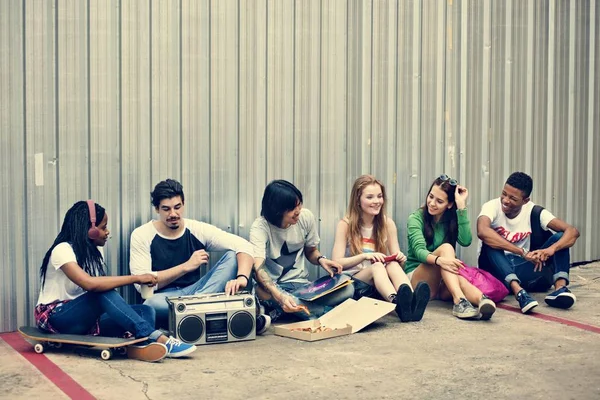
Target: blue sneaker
[526,302]
[561,298]
[176,348]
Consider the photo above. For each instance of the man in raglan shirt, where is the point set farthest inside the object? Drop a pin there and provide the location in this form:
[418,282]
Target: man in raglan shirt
[525,246]
[175,247]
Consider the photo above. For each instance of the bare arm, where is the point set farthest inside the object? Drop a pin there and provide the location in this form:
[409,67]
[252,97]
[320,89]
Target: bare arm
[264,280]
[267,285]
[339,248]
[568,239]
[167,276]
[245,263]
[103,283]
[393,244]
[492,238]
[570,234]
[332,267]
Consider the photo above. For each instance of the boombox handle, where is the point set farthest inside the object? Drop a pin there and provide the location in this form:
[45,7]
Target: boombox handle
[171,300]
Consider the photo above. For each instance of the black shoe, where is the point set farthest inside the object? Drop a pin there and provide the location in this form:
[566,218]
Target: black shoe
[404,300]
[420,300]
[263,322]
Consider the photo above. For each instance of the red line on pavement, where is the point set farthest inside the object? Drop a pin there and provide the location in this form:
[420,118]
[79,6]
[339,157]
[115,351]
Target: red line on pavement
[546,317]
[52,371]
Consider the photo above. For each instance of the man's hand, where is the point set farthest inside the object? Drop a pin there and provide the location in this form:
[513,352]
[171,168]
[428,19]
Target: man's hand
[198,258]
[543,254]
[288,304]
[534,258]
[235,285]
[331,266]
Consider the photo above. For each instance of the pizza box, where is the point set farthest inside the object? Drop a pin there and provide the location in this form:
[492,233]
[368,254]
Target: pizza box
[347,318]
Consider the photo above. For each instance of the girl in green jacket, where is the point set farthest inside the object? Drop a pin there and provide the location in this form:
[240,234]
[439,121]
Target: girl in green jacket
[433,231]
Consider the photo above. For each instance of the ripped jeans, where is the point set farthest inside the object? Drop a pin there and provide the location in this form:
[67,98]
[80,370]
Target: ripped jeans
[317,307]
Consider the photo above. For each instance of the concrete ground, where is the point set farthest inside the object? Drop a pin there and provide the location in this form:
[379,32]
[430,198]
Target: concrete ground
[441,357]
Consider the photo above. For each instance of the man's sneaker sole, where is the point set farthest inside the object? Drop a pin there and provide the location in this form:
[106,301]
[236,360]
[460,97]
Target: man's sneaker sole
[150,352]
[562,300]
[182,353]
[467,314]
[529,306]
[265,326]
[486,309]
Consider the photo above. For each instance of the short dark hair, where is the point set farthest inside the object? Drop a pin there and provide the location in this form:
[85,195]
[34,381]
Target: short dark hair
[280,196]
[521,181]
[166,189]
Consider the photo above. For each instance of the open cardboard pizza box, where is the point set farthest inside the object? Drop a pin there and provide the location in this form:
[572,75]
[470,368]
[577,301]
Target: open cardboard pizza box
[349,317]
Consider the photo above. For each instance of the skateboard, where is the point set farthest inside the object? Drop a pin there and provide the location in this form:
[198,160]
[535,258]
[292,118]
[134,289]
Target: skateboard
[108,345]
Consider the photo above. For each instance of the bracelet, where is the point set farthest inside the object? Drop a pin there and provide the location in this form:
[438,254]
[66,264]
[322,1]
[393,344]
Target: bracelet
[320,257]
[247,280]
[435,262]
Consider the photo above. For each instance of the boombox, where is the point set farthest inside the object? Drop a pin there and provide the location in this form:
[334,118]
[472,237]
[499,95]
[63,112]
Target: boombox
[213,318]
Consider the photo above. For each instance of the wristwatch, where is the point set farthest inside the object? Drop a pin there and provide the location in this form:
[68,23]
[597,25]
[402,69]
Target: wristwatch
[319,258]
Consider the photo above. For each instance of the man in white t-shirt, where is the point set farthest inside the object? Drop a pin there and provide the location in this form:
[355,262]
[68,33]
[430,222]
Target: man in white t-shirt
[174,248]
[525,245]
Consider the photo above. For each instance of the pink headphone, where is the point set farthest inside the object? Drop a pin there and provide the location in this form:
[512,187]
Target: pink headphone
[93,232]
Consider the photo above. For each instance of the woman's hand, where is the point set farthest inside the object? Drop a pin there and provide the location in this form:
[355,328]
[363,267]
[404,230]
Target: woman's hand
[401,258]
[460,197]
[449,264]
[375,257]
[147,279]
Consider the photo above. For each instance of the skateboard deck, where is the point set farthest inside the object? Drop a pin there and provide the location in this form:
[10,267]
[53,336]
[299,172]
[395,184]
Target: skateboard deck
[42,340]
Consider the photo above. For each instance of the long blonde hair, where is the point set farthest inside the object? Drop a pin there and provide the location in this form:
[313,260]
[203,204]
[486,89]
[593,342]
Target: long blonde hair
[354,217]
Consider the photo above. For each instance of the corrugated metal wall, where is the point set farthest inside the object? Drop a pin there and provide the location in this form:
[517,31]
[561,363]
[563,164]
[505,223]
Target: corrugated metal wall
[103,98]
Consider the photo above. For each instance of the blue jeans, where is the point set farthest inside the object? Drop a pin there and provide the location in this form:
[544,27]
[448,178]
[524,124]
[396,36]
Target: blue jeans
[213,282]
[78,316]
[317,308]
[510,267]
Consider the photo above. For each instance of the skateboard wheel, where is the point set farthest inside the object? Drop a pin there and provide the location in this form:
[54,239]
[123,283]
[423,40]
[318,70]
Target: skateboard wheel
[38,348]
[106,354]
[122,351]
[57,345]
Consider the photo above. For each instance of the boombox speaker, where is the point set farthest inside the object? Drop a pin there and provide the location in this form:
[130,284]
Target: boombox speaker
[213,318]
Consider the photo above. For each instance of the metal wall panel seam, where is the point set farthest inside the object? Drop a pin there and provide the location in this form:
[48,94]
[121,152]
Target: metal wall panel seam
[508,100]
[416,92]
[571,113]
[590,198]
[447,153]
[462,87]
[89,101]
[529,89]
[485,95]
[550,109]
[56,112]
[26,239]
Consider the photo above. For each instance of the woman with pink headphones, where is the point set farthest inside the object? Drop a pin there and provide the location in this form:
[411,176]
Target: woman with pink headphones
[77,297]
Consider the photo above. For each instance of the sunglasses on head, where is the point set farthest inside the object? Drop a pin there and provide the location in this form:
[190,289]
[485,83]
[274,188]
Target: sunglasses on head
[445,178]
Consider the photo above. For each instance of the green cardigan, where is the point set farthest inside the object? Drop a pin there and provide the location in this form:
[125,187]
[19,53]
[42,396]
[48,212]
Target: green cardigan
[417,246]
